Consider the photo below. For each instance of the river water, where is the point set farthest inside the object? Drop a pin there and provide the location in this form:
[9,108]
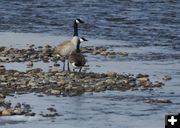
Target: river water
[147,29]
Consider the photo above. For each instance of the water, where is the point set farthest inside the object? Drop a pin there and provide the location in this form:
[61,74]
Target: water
[147,29]
[145,22]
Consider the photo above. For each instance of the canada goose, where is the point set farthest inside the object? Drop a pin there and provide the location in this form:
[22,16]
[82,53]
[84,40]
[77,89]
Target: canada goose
[77,59]
[67,47]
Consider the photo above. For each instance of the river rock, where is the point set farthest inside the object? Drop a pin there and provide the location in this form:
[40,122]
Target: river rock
[123,53]
[56,65]
[2,49]
[2,101]
[104,53]
[95,52]
[89,89]
[2,96]
[48,46]
[158,84]
[144,81]
[166,77]
[52,109]
[74,90]
[110,81]
[142,75]
[50,114]
[100,86]
[111,74]
[17,111]
[2,69]
[6,112]
[157,101]
[29,64]
[55,92]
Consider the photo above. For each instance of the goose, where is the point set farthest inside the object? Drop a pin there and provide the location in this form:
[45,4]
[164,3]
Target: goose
[76,58]
[67,47]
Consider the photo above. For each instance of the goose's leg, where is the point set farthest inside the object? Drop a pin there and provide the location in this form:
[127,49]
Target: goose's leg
[80,69]
[64,64]
[68,66]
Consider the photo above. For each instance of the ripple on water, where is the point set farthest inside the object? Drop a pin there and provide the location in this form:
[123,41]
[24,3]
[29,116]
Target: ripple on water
[131,20]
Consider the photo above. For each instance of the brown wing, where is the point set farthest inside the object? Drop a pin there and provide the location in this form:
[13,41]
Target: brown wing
[63,49]
[77,58]
[82,59]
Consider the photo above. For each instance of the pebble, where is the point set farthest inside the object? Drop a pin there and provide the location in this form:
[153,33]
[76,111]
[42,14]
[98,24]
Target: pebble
[55,92]
[2,96]
[52,109]
[5,112]
[29,64]
[142,75]
[2,100]
[19,109]
[50,115]
[2,69]
[158,84]
[56,65]
[166,77]
[2,49]
[111,74]
[104,53]
[95,52]
[157,101]
[123,53]
[143,79]
[110,81]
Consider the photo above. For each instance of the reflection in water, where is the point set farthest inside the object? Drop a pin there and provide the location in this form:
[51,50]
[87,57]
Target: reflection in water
[100,109]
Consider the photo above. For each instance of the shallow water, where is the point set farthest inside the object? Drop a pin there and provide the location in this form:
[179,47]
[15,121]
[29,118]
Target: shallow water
[111,109]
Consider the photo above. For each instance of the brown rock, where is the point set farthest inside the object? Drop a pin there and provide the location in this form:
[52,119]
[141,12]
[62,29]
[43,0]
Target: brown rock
[166,77]
[142,75]
[104,53]
[2,69]
[55,92]
[6,112]
[111,74]
[157,101]
[29,64]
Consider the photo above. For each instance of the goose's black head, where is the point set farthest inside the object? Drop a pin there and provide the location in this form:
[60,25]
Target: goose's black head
[77,21]
[81,39]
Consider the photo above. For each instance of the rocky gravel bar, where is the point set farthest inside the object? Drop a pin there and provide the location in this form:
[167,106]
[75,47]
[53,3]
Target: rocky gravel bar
[69,83]
[57,82]
[45,53]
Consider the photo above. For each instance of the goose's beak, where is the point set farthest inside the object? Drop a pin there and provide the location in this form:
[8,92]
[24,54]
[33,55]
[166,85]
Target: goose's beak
[80,21]
[82,39]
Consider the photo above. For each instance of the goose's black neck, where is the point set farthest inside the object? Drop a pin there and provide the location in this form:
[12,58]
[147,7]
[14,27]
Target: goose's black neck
[78,47]
[75,29]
